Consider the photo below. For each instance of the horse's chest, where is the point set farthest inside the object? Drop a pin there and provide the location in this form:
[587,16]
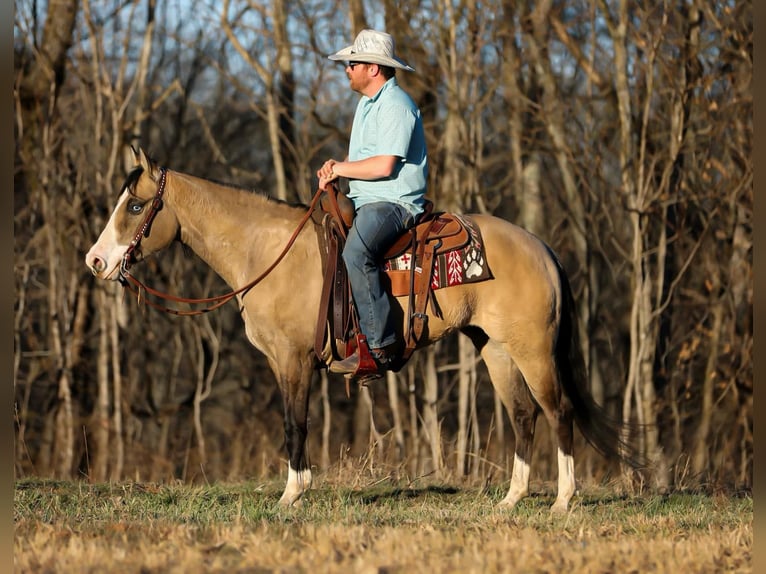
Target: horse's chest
[277,326]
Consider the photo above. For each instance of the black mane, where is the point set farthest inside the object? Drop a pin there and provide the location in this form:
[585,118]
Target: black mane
[132,179]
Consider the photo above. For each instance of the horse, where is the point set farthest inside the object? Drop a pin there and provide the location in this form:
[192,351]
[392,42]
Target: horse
[522,322]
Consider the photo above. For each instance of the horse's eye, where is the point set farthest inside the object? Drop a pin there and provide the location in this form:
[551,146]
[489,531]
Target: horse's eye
[135,207]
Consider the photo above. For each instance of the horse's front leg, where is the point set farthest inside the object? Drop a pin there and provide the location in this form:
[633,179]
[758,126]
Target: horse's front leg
[295,382]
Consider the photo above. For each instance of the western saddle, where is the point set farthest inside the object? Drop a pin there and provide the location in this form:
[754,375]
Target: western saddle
[432,234]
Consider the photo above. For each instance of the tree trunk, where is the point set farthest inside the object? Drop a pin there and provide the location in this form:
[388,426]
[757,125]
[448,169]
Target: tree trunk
[362,430]
[50,67]
[474,413]
[357,17]
[464,390]
[100,420]
[393,401]
[414,454]
[285,100]
[118,440]
[700,457]
[37,92]
[431,426]
[141,113]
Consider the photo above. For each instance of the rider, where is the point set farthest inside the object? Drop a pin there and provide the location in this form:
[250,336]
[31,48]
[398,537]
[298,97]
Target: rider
[387,170]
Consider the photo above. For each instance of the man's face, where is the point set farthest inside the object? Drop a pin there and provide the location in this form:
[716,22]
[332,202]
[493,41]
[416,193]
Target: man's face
[358,75]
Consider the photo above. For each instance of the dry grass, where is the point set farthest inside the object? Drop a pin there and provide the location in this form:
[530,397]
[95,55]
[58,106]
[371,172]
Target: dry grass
[142,528]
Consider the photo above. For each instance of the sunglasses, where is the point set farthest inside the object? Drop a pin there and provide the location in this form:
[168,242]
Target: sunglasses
[352,64]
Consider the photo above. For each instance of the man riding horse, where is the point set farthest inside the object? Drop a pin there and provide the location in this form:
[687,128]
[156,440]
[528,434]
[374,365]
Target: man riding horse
[387,169]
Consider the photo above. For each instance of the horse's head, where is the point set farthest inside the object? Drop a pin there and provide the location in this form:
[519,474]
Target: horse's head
[139,225]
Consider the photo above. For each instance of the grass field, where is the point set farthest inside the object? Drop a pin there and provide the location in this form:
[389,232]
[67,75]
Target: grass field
[379,528]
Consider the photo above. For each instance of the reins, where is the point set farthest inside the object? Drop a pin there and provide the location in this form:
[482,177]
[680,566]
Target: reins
[126,279]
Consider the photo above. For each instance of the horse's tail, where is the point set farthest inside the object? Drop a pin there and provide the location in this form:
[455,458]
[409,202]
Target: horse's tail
[605,433]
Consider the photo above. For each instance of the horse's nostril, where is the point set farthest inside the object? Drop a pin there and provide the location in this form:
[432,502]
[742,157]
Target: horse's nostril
[97,265]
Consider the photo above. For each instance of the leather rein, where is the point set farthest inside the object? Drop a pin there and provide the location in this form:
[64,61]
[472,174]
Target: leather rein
[136,287]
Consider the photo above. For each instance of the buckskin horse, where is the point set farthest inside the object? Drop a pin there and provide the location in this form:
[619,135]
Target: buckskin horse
[522,321]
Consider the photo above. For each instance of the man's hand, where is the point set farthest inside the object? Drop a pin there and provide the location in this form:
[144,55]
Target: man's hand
[326,174]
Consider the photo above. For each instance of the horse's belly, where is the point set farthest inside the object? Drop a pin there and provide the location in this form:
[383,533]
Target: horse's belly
[451,309]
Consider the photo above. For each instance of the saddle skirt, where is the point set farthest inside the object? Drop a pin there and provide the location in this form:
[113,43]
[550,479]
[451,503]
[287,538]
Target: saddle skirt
[458,259]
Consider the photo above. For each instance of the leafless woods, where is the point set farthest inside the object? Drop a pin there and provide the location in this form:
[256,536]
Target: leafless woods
[620,132]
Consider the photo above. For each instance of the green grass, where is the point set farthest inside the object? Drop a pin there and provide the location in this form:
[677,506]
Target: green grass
[447,507]
[68,526]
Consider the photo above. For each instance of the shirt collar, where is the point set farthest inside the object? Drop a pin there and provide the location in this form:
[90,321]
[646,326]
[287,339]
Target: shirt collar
[390,83]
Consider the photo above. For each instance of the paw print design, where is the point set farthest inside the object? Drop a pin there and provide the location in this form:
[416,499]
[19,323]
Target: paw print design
[473,264]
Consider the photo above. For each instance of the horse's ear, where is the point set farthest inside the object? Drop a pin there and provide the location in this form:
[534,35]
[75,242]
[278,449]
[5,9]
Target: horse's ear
[149,165]
[129,158]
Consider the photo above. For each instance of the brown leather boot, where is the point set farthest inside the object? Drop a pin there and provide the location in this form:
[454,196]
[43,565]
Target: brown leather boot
[350,365]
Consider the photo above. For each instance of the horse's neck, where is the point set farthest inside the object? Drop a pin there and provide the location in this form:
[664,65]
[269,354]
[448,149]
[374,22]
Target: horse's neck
[226,227]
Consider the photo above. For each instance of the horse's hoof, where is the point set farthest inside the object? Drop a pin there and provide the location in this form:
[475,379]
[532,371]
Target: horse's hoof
[290,502]
[511,500]
[508,503]
[559,507]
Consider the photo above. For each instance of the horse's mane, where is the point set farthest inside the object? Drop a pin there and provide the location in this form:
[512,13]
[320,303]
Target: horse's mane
[270,198]
[135,174]
[132,179]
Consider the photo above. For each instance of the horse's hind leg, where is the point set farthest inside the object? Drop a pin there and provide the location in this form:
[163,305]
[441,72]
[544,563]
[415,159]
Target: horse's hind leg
[522,411]
[524,394]
[541,376]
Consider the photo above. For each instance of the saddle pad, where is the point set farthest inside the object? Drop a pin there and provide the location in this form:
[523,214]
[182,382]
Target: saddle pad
[466,264]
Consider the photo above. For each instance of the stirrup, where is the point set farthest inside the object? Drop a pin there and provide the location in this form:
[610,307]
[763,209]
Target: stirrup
[367,363]
[367,370]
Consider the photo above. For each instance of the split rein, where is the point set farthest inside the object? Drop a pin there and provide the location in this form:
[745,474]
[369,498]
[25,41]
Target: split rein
[136,287]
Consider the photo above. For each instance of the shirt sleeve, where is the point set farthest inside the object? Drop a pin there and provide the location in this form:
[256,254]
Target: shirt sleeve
[396,124]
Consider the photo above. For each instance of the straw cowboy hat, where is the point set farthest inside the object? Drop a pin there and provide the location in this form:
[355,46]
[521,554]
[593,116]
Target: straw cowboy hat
[373,47]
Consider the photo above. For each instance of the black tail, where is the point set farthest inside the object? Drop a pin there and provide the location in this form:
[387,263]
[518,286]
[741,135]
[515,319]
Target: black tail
[606,434]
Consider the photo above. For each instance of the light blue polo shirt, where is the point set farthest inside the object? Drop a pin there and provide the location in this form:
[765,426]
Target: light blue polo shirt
[389,123]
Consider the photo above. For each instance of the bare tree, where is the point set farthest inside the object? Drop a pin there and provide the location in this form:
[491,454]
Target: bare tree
[39,154]
[620,133]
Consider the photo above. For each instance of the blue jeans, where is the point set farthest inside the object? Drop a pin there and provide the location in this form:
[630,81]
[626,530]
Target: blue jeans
[376,226]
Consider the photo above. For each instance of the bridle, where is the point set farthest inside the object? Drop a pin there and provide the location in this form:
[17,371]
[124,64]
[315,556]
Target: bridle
[143,230]
[136,287]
